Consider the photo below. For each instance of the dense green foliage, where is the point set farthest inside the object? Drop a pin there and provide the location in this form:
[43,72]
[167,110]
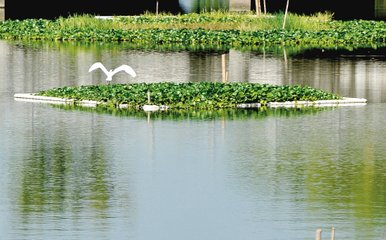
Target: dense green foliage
[221,29]
[203,95]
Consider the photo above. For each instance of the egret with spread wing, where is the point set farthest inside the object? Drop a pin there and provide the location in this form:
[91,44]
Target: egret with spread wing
[110,73]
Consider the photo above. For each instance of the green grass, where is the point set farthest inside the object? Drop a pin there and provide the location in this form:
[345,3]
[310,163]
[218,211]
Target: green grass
[217,20]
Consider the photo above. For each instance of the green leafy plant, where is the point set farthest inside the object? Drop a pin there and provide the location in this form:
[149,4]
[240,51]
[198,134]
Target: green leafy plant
[222,29]
[200,95]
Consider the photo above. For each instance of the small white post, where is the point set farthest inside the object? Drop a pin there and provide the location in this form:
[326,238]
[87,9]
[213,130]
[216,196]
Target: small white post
[258,7]
[265,7]
[285,14]
[156,8]
[223,66]
[332,233]
[148,97]
[318,235]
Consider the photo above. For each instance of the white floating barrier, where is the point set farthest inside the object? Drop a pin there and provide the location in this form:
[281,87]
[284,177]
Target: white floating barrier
[320,103]
[29,97]
[150,108]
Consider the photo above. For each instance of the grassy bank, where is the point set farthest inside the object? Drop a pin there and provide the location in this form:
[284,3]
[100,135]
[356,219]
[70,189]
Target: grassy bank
[210,29]
[203,95]
[206,20]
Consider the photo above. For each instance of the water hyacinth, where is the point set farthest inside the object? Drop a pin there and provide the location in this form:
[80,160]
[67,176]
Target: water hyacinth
[200,95]
[212,29]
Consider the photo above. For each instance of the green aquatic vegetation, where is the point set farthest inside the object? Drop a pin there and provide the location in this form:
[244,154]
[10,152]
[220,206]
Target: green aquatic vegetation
[220,20]
[219,29]
[200,95]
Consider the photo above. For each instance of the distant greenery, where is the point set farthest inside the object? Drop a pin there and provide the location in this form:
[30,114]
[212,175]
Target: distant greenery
[209,29]
[202,95]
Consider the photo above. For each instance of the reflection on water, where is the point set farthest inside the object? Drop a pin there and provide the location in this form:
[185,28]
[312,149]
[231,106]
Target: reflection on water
[244,173]
[380,8]
[203,5]
[346,73]
[48,166]
[62,180]
[82,173]
[201,115]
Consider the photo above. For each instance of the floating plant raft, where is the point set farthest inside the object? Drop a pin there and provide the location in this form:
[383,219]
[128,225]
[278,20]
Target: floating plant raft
[201,95]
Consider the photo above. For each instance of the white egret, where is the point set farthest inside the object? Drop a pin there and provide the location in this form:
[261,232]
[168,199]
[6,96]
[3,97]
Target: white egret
[110,73]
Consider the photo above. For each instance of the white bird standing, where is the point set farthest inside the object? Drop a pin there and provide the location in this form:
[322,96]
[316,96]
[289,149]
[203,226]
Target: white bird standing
[110,73]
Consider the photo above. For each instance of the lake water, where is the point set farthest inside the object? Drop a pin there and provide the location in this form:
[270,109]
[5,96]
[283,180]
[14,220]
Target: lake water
[245,174]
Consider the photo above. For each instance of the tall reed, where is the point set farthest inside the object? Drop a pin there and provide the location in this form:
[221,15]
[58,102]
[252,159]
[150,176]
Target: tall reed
[214,20]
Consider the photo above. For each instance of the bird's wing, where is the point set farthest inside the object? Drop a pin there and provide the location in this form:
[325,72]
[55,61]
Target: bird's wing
[125,68]
[98,65]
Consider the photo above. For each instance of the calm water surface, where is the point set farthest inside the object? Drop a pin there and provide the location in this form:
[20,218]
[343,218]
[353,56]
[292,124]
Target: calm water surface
[74,174]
